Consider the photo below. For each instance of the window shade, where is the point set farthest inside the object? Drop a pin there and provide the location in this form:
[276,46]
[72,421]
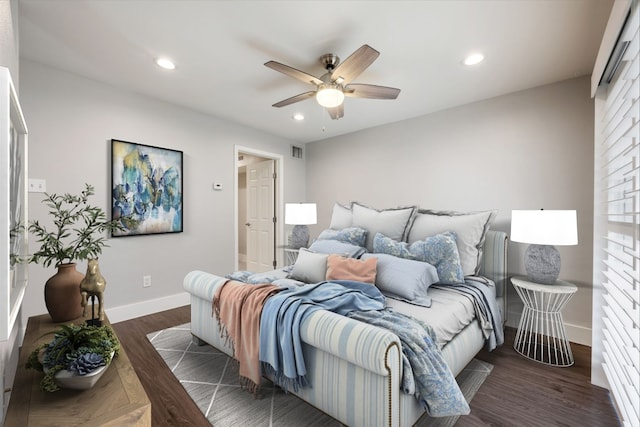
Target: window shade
[617,221]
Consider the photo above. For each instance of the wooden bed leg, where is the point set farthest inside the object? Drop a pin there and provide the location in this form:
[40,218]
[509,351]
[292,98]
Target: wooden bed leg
[197,341]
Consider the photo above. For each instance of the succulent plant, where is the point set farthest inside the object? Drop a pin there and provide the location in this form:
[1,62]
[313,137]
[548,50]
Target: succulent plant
[77,348]
[86,363]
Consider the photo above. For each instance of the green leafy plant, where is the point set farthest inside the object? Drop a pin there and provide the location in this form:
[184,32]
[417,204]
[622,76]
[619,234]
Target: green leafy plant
[14,234]
[79,229]
[80,349]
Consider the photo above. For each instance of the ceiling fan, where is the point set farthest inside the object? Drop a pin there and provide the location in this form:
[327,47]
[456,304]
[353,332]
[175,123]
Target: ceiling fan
[335,84]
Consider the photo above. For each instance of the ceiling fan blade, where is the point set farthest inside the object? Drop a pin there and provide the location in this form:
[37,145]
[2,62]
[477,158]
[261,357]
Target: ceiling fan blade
[358,90]
[354,65]
[294,99]
[336,112]
[292,72]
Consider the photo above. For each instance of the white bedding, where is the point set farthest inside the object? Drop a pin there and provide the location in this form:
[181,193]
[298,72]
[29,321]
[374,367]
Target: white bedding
[448,315]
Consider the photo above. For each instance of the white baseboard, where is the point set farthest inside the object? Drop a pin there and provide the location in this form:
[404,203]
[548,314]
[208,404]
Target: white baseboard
[143,308]
[578,334]
[575,333]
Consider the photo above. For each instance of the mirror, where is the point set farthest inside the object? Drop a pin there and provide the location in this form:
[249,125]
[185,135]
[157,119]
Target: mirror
[13,205]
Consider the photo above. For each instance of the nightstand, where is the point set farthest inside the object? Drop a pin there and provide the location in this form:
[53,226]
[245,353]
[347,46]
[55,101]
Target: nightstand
[541,335]
[290,256]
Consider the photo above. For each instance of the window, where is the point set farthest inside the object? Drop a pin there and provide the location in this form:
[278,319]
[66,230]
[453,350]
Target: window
[617,217]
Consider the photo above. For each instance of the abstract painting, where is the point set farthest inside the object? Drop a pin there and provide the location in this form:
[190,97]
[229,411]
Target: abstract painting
[146,188]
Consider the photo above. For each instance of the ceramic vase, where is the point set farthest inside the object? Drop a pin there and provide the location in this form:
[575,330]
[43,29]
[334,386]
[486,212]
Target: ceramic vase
[62,294]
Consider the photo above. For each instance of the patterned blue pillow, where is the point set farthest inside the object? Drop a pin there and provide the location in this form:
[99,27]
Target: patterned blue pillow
[439,250]
[353,235]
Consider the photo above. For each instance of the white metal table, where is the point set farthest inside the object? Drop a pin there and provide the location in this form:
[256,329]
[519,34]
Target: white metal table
[541,335]
[291,255]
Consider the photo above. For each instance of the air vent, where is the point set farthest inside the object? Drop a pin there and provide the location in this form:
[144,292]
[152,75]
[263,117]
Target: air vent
[296,152]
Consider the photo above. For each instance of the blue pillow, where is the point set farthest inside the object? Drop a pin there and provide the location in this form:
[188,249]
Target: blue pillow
[439,250]
[337,247]
[352,235]
[404,279]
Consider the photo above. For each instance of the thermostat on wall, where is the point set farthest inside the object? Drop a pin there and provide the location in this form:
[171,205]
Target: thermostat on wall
[217,186]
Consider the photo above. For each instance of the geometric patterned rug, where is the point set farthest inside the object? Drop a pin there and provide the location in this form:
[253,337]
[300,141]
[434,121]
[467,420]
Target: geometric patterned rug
[211,379]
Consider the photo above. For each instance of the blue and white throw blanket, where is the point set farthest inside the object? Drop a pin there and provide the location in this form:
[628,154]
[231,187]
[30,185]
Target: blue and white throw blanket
[281,347]
[425,374]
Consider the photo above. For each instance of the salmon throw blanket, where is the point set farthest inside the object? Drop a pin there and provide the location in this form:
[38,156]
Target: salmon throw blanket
[238,307]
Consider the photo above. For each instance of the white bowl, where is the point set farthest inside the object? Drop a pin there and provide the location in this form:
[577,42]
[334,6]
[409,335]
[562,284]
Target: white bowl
[70,379]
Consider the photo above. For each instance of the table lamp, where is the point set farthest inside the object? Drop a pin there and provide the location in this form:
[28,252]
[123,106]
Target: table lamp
[542,229]
[299,215]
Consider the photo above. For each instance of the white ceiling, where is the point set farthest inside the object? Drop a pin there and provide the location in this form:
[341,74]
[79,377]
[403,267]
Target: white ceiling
[220,48]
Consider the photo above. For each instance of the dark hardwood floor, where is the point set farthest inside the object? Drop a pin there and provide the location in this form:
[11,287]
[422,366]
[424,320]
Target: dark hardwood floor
[521,392]
[518,392]
[170,403]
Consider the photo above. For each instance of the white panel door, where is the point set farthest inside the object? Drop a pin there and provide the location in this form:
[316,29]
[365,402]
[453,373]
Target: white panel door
[260,216]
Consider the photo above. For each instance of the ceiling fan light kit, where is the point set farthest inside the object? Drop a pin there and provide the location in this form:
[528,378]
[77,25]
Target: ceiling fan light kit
[329,95]
[334,85]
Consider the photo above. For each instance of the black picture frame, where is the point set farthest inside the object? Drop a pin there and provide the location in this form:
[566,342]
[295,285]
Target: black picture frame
[146,188]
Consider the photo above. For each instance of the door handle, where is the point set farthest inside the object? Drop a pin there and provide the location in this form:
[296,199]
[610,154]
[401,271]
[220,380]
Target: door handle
[248,224]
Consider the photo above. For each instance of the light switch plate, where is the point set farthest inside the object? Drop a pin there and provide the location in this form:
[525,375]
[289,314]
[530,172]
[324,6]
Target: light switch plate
[37,185]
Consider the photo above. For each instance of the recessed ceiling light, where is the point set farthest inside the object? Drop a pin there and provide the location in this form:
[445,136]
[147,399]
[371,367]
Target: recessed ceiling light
[298,116]
[473,59]
[165,63]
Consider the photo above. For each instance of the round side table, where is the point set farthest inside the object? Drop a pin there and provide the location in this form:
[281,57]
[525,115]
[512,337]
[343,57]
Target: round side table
[291,255]
[541,335]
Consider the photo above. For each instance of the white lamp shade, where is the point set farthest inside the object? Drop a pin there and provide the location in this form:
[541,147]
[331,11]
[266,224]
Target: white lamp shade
[544,227]
[300,213]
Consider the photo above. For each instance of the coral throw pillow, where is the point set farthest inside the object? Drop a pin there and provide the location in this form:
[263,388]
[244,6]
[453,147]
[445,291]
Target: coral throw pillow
[341,268]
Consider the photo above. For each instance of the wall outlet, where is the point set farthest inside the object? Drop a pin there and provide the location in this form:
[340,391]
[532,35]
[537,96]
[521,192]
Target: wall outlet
[37,185]
[146,281]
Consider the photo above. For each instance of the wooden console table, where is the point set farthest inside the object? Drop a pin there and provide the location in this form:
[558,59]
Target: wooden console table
[117,399]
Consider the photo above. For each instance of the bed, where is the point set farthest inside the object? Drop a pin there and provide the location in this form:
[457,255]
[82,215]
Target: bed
[354,368]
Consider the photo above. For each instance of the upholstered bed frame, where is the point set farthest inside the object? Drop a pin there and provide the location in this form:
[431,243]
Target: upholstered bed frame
[355,368]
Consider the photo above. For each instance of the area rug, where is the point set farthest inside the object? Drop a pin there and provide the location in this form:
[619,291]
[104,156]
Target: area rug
[211,379]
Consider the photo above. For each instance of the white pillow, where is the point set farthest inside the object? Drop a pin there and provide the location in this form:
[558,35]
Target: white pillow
[341,217]
[393,223]
[470,228]
[310,267]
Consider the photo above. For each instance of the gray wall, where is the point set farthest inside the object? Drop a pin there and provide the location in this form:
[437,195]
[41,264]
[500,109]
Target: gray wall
[71,122]
[9,38]
[526,150]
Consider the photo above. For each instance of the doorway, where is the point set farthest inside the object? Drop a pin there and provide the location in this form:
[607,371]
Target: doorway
[258,193]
